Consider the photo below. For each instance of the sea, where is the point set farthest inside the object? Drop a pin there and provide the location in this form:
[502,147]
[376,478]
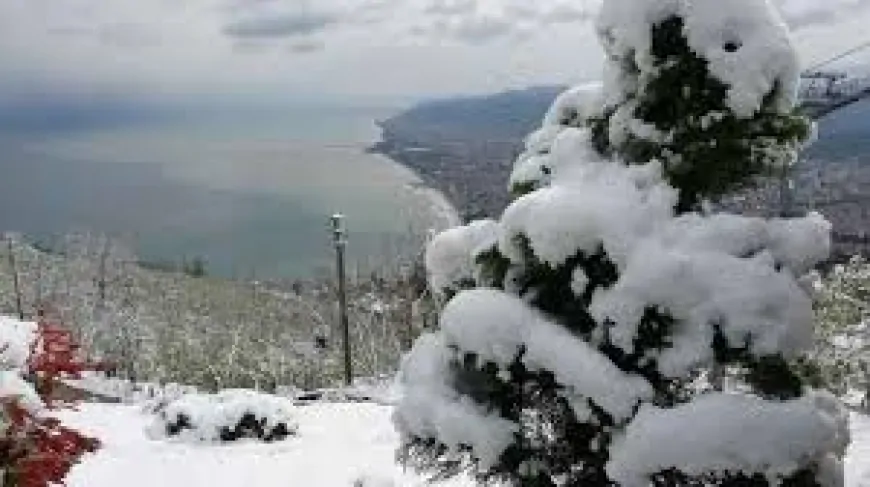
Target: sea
[251,193]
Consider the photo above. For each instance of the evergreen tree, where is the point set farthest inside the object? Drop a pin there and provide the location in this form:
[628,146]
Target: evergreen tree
[579,330]
[677,111]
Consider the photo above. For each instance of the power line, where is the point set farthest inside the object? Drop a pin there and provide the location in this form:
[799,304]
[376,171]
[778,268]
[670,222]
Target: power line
[858,48]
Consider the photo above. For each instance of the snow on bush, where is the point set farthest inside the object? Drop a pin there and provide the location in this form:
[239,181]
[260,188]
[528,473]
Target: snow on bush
[600,204]
[748,435]
[450,255]
[555,145]
[745,43]
[431,408]
[606,289]
[496,326]
[706,87]
[227,416]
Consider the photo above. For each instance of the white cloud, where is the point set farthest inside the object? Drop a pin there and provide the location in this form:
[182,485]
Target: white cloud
[357,47]
[479,21]
[804,13]
[450,7]
[482,20]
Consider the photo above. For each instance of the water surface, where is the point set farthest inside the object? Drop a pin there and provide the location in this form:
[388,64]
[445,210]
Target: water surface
[251,193]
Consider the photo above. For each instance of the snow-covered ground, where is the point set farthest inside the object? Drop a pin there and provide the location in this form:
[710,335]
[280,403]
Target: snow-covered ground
[858,460]
[337,445]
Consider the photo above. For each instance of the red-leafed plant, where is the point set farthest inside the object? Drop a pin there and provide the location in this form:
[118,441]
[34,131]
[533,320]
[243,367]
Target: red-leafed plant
[55,355]
[38,451]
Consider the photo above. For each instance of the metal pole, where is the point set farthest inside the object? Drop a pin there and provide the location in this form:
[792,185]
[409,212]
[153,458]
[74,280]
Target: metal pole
[101,283]
[408,341]
[16,285]
[409,320]
[340,241]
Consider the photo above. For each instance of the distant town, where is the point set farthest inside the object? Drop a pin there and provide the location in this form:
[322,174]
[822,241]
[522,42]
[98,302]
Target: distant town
[466,149]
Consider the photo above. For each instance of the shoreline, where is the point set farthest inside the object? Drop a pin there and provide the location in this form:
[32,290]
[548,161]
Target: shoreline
[444,213]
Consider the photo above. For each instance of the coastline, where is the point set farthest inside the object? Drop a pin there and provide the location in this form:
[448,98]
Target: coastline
[442,212]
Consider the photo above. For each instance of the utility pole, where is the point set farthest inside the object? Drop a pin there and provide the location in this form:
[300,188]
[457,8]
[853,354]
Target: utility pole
[408,305]
[340,241]
[16,285]
[101,279]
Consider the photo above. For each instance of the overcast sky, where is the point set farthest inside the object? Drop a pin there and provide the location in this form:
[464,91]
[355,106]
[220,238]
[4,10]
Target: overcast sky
[349,49]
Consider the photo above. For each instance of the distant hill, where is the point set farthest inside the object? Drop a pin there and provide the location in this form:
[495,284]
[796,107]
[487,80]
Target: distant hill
[508,115]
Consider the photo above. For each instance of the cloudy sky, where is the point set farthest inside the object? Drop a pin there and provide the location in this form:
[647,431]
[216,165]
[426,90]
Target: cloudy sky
[353,49]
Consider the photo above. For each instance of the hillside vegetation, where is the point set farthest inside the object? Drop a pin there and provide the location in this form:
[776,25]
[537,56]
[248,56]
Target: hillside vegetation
[213,333]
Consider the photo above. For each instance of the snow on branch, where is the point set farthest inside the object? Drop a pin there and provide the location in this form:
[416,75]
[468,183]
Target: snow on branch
[731,434]
[450,255]
[497,327]
[745,42]
[431,409]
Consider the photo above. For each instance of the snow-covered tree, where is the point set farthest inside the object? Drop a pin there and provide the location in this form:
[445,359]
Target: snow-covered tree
[708,92]
[577,326]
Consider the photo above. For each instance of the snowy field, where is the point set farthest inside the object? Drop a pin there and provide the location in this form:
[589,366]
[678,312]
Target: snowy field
[858,461]
[338,445]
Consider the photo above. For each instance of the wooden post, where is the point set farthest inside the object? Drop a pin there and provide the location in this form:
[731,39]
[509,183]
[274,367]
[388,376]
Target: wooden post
[101,279]
[15,283]
[409,312]
[340,242]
